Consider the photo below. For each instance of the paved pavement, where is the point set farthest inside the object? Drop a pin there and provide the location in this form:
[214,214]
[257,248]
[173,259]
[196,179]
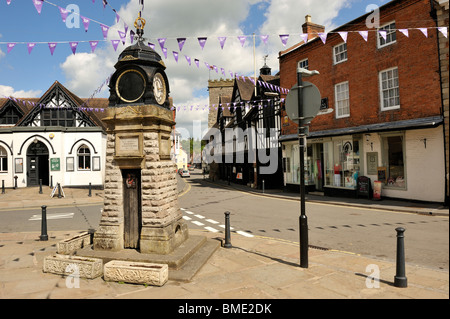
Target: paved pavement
[254,268]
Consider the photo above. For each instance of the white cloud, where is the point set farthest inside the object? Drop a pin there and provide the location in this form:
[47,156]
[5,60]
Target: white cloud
[10,91]
[199,18]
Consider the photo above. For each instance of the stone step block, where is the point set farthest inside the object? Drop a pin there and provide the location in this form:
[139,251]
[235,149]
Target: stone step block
[70,245]
[136,272]
[84,267]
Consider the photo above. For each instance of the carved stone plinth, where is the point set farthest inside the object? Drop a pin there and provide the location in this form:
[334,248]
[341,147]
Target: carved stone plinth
[70,245]
[139,138]
[84,267]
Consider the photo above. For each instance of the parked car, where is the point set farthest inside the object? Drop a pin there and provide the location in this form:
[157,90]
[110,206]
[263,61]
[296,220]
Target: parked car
[185,173]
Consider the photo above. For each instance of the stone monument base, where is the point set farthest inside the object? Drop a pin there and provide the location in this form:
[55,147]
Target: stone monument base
[163,240]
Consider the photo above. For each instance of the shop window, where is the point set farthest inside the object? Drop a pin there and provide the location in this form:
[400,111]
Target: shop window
[394,161]
[84,158]
[342,163]
[3,160]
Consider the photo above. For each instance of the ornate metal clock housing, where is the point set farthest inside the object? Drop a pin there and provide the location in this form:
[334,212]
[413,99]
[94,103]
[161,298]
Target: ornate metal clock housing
[139,78]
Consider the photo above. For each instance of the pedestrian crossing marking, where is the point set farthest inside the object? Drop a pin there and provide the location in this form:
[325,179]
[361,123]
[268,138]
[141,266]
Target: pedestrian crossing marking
[52,216]
[198,223]
[243,233]
[187,218]
[199,216]
[212,221]
[211,229]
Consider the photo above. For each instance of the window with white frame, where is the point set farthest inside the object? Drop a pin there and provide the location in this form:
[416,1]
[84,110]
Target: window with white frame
[340,53]
[303,64]
[391,36]
[389,89]
[84,158]
[342,100]
[3,160]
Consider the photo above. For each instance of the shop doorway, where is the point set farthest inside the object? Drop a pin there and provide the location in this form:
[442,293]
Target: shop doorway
[37,164]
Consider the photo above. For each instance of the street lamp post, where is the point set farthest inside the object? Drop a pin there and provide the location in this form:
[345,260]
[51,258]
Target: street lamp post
[303,220]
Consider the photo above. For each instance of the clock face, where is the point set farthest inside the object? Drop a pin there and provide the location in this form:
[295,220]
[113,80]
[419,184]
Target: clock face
[130,86]
[159,88]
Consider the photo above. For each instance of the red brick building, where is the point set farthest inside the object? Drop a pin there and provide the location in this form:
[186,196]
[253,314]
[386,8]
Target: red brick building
[385,110]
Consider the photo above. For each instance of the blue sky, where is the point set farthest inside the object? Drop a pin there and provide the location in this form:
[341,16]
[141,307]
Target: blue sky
[23,74]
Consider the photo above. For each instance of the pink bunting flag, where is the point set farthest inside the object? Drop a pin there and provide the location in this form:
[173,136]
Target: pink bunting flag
[122,36]
[175,55]
[10,46]
[73,46]
[242,39]
[52,47]
[115,43]
[8,2]
[284,38]
[424,31]
[188,59]
[404,31]
[364,34]
[86,22]
[161,42]
[304,37]
[30,47]
[202,42]
[323,37]
[222,41]
[443,30]
[64,13]
[181,42]
[264,38]
[343,35]
[105,30]
[93,45]
[38,5]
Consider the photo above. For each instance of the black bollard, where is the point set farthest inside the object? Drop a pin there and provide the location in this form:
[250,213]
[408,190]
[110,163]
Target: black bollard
[400,279]
[40,186]
[227,231]
[263,187]
[90,190]
[59,191]
[3,186]
[51,181]
[44,236]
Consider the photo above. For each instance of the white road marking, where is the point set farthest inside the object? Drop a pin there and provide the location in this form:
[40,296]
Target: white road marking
[188,212]
[212,221]
[183,208]
[223,226]
[198,223]
[243,233]
[211,229]
[199,216]
[187,218]
[52,216]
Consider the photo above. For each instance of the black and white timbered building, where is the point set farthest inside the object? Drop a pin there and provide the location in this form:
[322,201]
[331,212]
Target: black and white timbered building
[57,138]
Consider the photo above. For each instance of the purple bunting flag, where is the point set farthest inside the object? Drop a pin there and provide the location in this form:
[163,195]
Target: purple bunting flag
[404,31]
[105,30]
[164,50]
[161,42]
[364,34]
[52,47]
[93,45]
[104,3]
[125,26]
[383,33]
[122,36]
[424,31]
[10,46]
[323,37]
[115,43]
[86,22]
[188,59]
[132,34]
[304,37]
[197,62]
[38,5]
[64,13]
[343,36]
[284,38]
[207,66]
[73,46]
[30,47]
[222,41]
[175,55]
[443,30]
[223,72]
[202,42]
[242,39]
[264,38]
[181,42]
[8,2]
[151,45]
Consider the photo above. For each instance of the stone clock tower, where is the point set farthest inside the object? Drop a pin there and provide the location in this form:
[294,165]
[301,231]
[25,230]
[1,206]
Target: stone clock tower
[141,199]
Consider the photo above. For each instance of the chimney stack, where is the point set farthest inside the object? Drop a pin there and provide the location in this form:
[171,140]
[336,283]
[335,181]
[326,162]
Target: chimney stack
[311,28]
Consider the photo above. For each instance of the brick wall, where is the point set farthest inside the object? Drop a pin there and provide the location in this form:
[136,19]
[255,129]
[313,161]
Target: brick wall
[416,58]
[217,88]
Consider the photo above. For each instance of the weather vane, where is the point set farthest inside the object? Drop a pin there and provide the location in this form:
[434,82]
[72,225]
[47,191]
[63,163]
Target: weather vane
[139,24]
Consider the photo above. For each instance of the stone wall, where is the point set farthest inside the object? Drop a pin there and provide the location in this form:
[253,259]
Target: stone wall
[217,88]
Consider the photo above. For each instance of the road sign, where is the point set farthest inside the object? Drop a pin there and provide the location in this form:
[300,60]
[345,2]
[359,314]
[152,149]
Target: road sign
[311,102]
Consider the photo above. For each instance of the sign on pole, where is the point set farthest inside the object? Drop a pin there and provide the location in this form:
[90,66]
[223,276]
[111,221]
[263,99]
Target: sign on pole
[311,102]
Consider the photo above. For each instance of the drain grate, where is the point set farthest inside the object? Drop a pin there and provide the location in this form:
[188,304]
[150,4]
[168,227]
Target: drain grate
[318,247]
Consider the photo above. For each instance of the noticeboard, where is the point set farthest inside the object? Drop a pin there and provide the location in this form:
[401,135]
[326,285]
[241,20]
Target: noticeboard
[363,187]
